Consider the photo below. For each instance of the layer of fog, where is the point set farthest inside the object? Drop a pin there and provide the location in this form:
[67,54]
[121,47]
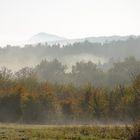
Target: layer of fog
[15,64]
[16,58]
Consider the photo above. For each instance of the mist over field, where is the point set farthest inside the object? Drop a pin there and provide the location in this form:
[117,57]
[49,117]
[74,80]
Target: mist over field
[69,69]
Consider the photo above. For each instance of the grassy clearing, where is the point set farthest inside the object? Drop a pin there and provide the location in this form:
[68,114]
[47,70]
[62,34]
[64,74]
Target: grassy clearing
[44,132]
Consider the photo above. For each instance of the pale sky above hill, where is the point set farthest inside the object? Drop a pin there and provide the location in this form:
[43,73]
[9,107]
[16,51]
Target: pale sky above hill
[20,19]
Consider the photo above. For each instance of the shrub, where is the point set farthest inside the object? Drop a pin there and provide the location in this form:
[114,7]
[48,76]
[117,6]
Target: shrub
[135,135]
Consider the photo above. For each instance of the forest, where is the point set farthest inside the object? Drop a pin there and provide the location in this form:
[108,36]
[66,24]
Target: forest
[48,93]
[69,70]
[15,57]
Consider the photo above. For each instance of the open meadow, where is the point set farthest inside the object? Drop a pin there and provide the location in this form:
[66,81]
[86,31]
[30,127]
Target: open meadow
[51,132]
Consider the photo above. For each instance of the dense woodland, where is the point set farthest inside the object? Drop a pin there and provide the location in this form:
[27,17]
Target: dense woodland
[86,72]
[48,90]
[15,57]
[47,93]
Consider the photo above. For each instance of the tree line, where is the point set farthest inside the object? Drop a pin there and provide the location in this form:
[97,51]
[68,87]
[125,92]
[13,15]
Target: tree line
[27,99]
[82,72]
[14,57]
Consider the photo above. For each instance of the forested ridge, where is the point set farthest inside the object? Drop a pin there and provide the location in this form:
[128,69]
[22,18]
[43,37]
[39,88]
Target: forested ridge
[15,57]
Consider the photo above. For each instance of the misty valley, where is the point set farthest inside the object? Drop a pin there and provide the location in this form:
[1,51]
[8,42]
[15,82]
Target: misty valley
[69,70]
[77,89]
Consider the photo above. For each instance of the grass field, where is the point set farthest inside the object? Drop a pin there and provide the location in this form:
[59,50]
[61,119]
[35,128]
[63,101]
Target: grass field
[45,132]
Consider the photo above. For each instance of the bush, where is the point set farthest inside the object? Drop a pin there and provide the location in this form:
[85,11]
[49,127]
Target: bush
[136,131]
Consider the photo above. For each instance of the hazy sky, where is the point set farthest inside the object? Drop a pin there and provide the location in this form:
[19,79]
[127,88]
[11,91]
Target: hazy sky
[20,19]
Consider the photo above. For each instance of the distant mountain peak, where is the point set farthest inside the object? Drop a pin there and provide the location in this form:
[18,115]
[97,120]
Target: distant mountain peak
[45,37]
[42,33]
